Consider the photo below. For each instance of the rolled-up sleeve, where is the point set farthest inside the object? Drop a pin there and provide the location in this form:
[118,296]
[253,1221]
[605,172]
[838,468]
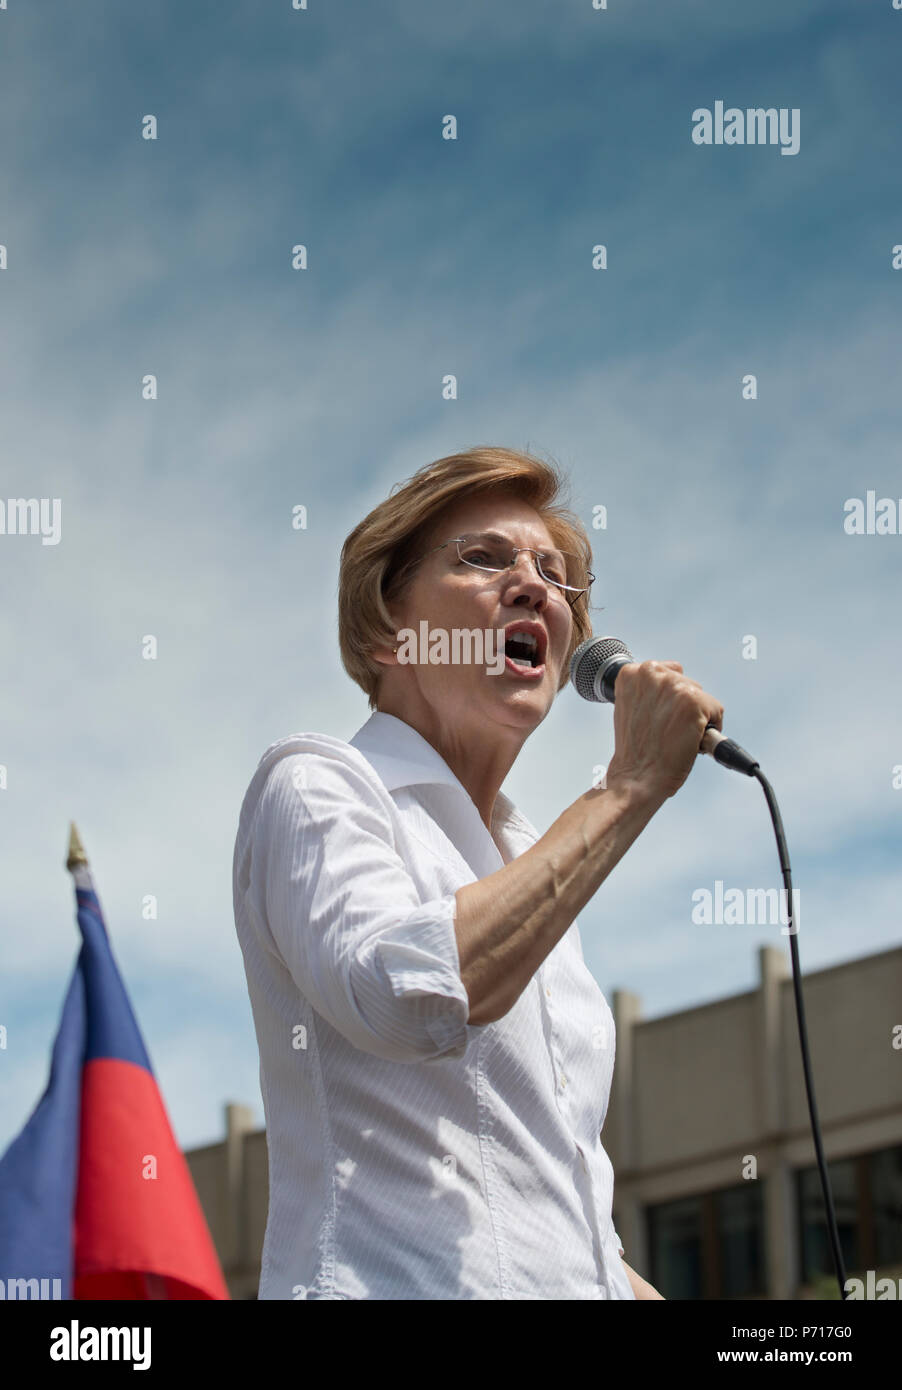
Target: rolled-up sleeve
[344,914]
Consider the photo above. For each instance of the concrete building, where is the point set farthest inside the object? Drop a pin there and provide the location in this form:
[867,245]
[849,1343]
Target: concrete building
[717,1191]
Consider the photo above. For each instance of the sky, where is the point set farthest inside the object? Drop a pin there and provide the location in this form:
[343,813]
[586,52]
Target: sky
[322,387]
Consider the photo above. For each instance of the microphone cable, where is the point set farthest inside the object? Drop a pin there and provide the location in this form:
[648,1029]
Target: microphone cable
[783,851]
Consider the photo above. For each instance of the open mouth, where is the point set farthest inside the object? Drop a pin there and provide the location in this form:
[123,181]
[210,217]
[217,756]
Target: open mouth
[523,650]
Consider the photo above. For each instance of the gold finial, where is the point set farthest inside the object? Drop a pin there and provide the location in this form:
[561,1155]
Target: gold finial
[77,854]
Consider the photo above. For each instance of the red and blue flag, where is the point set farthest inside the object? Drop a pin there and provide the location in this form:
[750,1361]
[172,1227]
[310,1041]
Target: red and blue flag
[95,1192]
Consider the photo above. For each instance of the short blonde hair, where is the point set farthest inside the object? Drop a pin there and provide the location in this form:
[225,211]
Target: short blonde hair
[377,557]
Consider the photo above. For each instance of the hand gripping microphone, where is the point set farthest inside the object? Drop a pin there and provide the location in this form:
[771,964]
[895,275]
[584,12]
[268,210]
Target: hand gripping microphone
[593,670]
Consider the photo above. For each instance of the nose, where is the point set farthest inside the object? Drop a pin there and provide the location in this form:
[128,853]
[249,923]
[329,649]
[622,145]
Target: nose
[531,576]
[534,559]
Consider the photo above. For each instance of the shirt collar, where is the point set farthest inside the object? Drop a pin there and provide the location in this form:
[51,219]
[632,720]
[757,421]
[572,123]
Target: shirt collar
[403,757]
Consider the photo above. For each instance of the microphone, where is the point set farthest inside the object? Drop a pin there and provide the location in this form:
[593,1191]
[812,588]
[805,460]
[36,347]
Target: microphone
[593,670]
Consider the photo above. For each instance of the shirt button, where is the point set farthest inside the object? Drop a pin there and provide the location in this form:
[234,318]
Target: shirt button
[548,991]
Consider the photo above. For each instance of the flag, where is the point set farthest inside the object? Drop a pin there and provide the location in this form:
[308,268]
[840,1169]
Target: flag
[96,1198]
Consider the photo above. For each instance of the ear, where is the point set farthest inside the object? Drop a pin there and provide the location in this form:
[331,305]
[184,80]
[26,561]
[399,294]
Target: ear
[386,656]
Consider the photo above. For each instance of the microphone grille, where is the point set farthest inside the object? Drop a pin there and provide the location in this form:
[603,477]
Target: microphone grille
[588,660]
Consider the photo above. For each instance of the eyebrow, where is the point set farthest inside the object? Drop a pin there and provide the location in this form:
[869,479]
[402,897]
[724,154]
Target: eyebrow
[498,536]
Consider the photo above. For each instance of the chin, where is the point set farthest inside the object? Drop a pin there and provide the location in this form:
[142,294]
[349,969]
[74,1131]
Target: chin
[532,704]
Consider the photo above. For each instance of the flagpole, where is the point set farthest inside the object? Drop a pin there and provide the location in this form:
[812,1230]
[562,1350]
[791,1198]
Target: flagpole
[77,860]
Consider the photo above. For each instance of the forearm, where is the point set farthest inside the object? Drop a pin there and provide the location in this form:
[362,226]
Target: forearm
[507,923]
[641,1287]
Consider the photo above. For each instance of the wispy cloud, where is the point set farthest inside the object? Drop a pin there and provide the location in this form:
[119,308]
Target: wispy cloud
[322,388]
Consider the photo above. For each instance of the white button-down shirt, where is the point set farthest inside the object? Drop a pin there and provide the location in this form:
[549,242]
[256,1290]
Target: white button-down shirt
[412,1155]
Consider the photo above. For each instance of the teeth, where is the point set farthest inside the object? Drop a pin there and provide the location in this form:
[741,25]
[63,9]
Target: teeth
[529,644]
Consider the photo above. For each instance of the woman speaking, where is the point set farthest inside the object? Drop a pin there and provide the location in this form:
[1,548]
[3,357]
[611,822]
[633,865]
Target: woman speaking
[435,1056]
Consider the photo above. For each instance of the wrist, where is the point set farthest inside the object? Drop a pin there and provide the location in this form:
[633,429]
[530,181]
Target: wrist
[636,793]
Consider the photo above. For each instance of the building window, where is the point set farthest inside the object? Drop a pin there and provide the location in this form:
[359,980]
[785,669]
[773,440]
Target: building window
[867,1199]
[814,1239]
[739,1216]
[675,1248]
[885,1180]
[710,1246]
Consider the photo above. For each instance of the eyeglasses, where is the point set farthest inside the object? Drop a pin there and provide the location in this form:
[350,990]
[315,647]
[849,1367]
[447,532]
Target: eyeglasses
[493,552]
